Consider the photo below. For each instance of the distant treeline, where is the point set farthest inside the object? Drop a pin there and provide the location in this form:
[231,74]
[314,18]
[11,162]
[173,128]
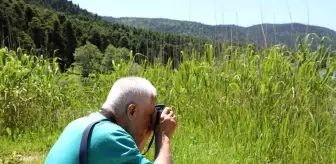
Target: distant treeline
[58,27]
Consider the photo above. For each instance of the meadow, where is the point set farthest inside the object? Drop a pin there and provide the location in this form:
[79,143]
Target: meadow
[245,106]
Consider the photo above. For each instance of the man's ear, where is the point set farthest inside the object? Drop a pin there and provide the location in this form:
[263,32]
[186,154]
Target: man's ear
[131,108]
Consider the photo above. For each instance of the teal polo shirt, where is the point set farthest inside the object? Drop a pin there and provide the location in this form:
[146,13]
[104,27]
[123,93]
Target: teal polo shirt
[109,144]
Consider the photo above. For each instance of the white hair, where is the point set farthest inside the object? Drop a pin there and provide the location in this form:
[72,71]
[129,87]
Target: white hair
[128,90]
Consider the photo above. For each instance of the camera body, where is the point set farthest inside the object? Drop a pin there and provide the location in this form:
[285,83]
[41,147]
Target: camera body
[156,120]
[159,109]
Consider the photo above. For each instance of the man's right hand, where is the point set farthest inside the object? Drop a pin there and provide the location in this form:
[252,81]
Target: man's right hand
[164,131]
[167,123]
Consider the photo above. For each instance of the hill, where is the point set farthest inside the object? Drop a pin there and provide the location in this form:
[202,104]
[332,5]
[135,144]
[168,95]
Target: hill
[57,28]
[274,33]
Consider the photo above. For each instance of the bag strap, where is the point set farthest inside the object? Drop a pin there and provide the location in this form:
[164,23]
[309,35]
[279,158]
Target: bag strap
[83,152]
[155,124]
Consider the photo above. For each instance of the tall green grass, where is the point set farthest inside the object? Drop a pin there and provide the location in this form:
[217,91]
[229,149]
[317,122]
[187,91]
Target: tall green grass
[270,106]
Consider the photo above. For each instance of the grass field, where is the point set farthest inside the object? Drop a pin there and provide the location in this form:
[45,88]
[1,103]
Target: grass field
[270,106]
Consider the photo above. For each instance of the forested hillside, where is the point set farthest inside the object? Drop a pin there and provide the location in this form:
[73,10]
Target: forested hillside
[272,33]
[57,28]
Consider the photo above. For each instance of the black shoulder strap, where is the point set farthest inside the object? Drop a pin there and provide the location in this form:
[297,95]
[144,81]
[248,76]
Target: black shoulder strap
[155,124]
[83,152]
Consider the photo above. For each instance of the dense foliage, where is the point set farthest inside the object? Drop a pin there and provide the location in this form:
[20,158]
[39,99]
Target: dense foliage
[268,107]
[60,27]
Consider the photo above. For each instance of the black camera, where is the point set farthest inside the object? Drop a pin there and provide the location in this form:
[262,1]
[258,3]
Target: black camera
[159,109]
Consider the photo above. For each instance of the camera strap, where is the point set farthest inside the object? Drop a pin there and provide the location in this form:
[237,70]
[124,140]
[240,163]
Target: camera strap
[156,122]
[83,151]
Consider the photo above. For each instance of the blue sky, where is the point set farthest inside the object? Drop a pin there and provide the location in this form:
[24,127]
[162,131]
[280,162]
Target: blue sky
[241,12]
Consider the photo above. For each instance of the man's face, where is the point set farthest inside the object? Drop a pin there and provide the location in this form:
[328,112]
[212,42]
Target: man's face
[140,116]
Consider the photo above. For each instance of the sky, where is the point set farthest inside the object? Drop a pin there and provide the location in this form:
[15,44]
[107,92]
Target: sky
[213,12]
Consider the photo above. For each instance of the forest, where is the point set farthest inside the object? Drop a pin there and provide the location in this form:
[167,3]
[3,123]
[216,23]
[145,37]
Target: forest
[55,28]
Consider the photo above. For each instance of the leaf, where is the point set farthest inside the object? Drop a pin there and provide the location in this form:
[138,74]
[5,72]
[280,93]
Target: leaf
[9,131]
[263,89]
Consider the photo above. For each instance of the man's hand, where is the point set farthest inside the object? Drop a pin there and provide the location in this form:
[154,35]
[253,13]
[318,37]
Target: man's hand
[167,123]
[163,132]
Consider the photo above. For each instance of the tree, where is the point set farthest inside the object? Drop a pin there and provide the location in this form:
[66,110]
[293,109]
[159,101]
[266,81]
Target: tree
[123,42]
[70,43]
[88,59]
[109,55]
[115,54]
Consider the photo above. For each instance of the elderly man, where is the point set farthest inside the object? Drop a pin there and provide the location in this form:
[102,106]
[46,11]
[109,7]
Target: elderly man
[122,128]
